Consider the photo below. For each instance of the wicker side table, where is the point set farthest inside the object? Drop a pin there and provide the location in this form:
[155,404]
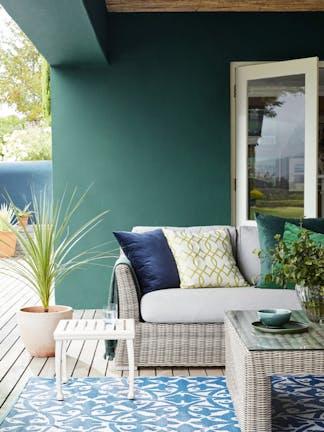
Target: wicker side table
[252,358]
[91,329]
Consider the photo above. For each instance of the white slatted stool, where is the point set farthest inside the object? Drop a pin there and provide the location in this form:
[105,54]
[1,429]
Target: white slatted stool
[91,329]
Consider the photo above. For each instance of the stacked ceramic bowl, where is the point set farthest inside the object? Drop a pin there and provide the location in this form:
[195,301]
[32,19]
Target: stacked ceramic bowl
[274,317]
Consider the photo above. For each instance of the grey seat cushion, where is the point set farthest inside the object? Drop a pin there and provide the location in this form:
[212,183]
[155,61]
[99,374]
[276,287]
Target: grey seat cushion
[207,305]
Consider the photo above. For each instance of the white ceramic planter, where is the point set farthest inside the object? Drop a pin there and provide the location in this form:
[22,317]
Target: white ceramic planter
[37,327]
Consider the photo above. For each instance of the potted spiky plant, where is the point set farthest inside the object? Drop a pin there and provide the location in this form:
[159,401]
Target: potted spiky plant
[8,238]
[48,256]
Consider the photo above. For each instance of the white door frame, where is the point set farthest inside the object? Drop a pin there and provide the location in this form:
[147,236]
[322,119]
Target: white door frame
[233,67]
[311,110]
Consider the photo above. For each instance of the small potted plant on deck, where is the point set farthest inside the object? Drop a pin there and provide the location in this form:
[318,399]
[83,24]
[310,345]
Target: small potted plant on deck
[23,215]
[48,256]
[8,238]
[299,259]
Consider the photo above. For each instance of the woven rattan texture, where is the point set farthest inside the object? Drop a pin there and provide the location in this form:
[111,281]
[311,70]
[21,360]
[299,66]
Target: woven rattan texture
[248,377]
[166,344]
[127,295]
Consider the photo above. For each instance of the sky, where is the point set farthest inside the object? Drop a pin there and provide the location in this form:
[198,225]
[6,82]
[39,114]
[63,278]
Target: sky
[6,111]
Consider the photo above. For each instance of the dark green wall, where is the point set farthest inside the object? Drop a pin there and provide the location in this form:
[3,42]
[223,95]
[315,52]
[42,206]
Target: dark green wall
[152,130]
[66,32]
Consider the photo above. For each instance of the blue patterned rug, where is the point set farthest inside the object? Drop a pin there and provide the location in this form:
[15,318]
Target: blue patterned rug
[162,404]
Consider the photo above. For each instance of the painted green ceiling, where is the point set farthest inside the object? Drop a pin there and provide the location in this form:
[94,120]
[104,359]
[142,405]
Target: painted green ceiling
[66,32]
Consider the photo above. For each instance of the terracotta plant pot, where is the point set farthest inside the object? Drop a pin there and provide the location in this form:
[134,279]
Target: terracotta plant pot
[8,242]
[37,327]
[23,221]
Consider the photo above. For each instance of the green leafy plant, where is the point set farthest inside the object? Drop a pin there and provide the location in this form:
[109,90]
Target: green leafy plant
[51,250]
[300,261]
[7,216]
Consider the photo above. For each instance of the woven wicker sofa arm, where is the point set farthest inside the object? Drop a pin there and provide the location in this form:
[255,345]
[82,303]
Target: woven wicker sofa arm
[127,293]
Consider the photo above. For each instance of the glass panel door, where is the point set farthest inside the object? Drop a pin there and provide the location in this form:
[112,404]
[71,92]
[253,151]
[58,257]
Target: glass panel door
[321,145]
[276,141]
[276,136]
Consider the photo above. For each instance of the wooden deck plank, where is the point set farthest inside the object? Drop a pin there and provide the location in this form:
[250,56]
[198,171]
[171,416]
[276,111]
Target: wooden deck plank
[219,371]
[161,371]
[99,364]
[14,306]
[180,371]
[111,371]
[8,360]
[8,292]
[125,373]
[48,370]
[73,351]
[198,372]
[30,367]
[14,375]
[11,322]
[84,361]
[84,358]
[146,371]
[9,342]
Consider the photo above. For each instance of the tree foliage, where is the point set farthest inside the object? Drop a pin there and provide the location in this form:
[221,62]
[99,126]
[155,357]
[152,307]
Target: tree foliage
[29,144]
[20,74]
[25,87]
[8,125]
[46,91]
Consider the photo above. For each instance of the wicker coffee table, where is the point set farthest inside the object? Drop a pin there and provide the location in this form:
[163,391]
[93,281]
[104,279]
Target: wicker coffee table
[253,357]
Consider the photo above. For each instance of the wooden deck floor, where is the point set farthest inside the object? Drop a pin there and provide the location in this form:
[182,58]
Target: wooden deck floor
[84,358]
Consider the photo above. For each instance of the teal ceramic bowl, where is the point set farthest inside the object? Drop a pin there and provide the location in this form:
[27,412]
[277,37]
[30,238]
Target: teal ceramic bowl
[274,317]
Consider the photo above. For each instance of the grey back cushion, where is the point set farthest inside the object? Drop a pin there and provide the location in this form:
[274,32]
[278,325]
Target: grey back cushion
[231,230]
[248,262]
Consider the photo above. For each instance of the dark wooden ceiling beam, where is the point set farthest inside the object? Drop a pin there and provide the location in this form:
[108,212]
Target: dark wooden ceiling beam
[214,5]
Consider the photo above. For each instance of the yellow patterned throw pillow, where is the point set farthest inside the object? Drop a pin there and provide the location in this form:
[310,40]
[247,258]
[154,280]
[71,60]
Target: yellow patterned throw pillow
[204,259]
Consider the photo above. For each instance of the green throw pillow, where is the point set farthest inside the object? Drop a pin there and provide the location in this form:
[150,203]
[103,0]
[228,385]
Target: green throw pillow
[268,227]
[291,234]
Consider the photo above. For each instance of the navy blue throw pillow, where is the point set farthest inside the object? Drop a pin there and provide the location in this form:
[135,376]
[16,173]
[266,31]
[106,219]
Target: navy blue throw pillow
[151,259]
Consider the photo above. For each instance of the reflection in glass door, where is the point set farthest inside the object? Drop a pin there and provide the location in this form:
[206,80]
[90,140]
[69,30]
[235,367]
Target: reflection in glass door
[276,141]
[321,145]
[276,122]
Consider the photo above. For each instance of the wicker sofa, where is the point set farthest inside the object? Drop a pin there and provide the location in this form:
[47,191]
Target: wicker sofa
[178,327]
